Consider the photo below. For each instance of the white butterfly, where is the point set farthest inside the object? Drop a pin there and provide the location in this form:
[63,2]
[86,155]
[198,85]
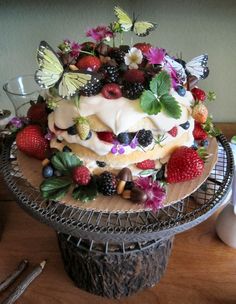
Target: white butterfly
[51,72]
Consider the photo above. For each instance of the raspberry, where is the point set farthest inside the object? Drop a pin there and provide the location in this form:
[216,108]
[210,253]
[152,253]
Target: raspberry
[111,91]
[106,136]
[134,76]
[107,183]
[132,90]
[173,132]
[89,63]
[146,164]
[144,137]
[198,94]
[110,73]
[81,175]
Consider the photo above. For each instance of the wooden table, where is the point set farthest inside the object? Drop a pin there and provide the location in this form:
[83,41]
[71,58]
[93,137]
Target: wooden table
[201,269]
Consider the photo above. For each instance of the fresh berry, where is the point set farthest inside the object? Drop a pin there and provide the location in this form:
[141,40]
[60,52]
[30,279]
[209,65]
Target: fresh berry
[185,125]
[146,164]
[107,183]
[118,55]
[143,47]
[204,143]
[200,113]
[92,87]
[173,132]
[66,149]
[81,175]
[111,91]
[181,90]
[47,171]
[134,76]
[184,164]
[195,145]
[88,63]
[161,173]
[132,90]
[101,164]
[198,132]
[89,135]
[88,46]
[32,142]
[37,112]
[82,126]
[144,137]
[124,138]
[110,73]
[106,136]
[198,94]
[72,130]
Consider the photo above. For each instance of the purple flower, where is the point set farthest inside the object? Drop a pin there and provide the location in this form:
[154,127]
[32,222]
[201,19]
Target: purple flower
[155,55]
[156,194]
[17,122]
[70,48]
[75,49]
[134,142]
[100,33]
[117,148]
[49,135]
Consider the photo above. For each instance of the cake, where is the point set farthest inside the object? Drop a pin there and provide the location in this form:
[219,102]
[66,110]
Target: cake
[122,110]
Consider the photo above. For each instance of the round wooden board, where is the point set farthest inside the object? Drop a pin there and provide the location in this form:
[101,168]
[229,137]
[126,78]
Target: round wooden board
[32,168]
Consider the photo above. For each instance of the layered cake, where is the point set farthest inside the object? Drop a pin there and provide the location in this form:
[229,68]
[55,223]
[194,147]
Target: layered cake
[118,113]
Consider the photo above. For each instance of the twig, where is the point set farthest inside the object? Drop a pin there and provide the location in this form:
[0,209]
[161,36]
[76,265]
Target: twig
[24,284]
[14,275]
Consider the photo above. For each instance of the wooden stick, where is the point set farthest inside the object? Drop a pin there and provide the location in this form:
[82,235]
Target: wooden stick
[24,284]
[14,275]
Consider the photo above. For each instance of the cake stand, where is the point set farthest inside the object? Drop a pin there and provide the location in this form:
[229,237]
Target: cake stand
[115,254]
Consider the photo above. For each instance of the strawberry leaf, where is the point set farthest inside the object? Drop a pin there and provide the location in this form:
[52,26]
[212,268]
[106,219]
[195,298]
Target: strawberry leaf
[86,193]
[161,84]
[55,187]
[64,162]
[149,103]
[170,106]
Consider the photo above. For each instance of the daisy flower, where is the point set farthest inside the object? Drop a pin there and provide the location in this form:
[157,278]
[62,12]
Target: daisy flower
[133,58]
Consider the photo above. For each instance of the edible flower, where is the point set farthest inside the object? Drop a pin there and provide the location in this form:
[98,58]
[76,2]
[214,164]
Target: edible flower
[156,193]
[133,58]
[117,148]
[100,33]
[70,48]
[155,55]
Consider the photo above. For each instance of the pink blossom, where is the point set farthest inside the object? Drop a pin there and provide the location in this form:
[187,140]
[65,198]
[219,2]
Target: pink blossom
[155,55]
[99,33]
[155,192]
[75,49]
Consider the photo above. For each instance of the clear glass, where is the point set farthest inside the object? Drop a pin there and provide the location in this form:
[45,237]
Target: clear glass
[21,90]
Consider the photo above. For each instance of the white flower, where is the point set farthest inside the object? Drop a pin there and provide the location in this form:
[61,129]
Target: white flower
[133,58]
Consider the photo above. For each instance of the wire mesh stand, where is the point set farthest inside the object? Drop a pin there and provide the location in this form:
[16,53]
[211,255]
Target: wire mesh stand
[91,241]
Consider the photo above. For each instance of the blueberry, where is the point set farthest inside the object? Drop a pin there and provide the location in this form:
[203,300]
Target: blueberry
[66,149]
[161,173]
[185,125]
[124,138]
[181,90]
[72,130]
[47,171]
[101,164]
[89,135]
[195,145]
[204,143]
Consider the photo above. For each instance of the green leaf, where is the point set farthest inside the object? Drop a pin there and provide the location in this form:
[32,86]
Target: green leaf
[147,172]
[161,84]
[86,193]
[65,161]
[149,103]
[170,106]
[233,140]
[55,187]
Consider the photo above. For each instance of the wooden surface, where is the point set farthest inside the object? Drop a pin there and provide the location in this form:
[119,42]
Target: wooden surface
[201,269]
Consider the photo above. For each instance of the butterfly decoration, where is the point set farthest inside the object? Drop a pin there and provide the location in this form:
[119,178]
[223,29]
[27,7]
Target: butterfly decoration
[140,28]
[52,73]
[196,67]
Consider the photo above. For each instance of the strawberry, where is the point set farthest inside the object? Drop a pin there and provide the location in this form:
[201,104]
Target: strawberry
[143,47]
[200,113]
[106,136]
[82,126]
[184,164]
[134,76]
[81,175]
[88,63]
[198,94]
[198,132]
[111,91]
[31,141]
[37,112]
[146,164]
[173,132]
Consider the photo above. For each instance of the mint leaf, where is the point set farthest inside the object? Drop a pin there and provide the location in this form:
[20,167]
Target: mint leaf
[55,187]
[86,193]
[170,106]
[233,140]
[161,84]
[64,162]
[149,103]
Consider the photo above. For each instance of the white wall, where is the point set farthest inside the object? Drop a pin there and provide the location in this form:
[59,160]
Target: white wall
[190,27]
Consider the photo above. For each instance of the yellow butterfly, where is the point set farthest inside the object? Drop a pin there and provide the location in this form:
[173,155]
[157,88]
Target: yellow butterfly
[140,28]
[51,72]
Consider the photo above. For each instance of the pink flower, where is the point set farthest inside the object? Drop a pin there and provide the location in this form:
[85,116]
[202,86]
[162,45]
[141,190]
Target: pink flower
[155,55]
[99,33]
[155,192]
[75,49]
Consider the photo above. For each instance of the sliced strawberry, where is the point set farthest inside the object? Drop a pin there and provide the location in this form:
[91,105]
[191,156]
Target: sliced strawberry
[134,75]
[88,63]
[198,132]
[106,136]
[146,164]
[143,47]
[173,132]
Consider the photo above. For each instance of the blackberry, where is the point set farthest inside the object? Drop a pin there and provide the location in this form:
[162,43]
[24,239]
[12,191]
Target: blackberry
[132,90]
[107,183]
[92,87]
[144,137]
[72,130]
[118,55]
[110,73]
